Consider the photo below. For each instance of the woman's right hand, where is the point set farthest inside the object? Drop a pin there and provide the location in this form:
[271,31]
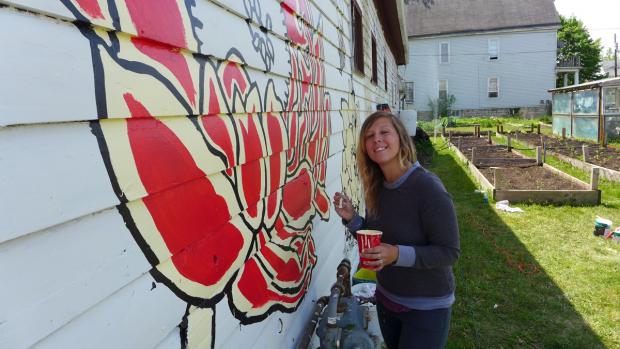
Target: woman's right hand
[343,206]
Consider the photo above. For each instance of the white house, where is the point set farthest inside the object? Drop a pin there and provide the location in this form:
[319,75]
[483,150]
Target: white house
[167,168]
[493,56]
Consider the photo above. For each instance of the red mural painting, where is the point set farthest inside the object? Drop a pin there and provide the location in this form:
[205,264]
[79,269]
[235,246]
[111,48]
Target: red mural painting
[238,224]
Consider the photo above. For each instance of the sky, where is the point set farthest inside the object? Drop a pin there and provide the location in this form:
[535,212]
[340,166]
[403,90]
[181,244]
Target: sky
[601,17]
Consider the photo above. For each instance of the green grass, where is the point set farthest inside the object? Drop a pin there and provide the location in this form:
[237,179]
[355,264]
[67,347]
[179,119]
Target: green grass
[466,124]
[538,279]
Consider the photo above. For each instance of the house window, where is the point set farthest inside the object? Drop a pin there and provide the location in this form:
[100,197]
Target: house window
[374,77]
[358,37]
[384,74]
[444,53]
[493,87]
[409,92]
[493,49]
[443,89]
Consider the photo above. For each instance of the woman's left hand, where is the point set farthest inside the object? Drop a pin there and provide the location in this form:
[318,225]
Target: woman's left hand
[381,256]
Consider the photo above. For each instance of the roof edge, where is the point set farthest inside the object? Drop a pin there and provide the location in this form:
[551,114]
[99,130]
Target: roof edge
[472,31]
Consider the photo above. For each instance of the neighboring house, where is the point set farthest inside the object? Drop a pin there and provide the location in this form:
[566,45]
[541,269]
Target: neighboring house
[166,169]
[493,56]
[610,69]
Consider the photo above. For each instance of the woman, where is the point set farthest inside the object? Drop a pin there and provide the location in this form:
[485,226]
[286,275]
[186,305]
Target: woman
[420,241]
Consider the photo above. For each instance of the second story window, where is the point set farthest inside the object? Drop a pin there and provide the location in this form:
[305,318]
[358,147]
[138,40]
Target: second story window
[358,37]
[493,87]
[384,73]
[443,89]
[493,49]
[444,53]
[374,78]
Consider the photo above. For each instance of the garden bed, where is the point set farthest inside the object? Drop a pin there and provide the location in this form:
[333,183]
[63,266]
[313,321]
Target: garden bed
[514,177]
[571,151]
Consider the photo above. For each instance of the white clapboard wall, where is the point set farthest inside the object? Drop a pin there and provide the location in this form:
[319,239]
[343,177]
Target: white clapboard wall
[73,274]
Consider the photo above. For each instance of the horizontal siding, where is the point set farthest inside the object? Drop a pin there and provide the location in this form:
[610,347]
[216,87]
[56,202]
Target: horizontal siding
[525,68]
[80,83]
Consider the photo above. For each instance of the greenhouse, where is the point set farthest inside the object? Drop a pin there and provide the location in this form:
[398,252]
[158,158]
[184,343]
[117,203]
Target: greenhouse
[588,111]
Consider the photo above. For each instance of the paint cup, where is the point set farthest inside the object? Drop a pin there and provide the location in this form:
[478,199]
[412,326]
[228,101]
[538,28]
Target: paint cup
[365,240]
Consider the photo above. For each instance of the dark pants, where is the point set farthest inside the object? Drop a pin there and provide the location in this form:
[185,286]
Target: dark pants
[423,329]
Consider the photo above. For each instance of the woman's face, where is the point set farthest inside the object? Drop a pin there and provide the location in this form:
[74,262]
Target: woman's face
[382,142]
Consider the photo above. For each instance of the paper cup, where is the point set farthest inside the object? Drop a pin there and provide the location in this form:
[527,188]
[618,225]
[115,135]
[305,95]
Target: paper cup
[365,240]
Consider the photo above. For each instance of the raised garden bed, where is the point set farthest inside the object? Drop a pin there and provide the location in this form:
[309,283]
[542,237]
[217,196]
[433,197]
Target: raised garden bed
[514,177]
[572,151]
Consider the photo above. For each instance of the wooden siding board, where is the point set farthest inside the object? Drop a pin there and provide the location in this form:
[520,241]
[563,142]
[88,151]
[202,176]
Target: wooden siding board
[31,68]
[52,276]
[44,181]
[136,316]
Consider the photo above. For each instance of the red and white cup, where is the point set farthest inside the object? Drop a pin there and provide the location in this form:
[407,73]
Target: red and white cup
[365,240]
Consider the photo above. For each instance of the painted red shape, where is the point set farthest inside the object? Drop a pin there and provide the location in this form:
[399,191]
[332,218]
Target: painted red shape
[254,287]
[209,259]
[251,138]
[159,22]
[288,270]
[171,58]
[91,7]
[251,181]
[232,73]
[215,127]
[297,195]
[182,201]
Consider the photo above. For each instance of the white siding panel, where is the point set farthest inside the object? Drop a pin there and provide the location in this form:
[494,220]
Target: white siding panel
[525,69]
[137,316]
[69,268]
[41,57]
[47,171]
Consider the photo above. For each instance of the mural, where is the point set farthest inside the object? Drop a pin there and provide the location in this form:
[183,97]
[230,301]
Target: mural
[221,196]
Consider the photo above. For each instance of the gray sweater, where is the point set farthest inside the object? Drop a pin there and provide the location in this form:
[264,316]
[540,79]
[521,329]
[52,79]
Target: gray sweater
[418,213]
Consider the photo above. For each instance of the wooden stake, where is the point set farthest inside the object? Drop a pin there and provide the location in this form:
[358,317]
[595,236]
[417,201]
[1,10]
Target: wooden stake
[489,140]
[544,152]
[539,156]
[443,130]
[501,129]
[497,128]
[473,156]
[594,177]
[497,176]
[563,133]
[584,149]
[458,143]
[538,128]
[509,138]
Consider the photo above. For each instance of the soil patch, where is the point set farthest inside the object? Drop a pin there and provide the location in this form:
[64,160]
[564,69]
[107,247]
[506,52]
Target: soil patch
[516,176]
[605,157]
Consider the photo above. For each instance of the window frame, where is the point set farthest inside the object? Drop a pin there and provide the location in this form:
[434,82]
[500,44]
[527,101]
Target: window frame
[357,36]
[496,87]
[439,88]
[491,57]
[447,43]
[385,73]
[374,78]
[408,90]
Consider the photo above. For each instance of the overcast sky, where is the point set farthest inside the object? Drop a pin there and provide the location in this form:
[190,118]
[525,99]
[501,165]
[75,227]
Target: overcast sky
[601,17]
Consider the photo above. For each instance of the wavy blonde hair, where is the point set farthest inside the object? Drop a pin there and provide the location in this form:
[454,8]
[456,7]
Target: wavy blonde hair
[372,177]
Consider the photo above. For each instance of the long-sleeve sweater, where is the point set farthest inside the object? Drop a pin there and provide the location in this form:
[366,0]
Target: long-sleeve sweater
[418,212]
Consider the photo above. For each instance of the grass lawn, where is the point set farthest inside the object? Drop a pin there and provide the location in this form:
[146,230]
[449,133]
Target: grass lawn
[538,279]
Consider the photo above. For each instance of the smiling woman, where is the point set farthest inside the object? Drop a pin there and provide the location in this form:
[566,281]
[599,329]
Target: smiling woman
[420,237]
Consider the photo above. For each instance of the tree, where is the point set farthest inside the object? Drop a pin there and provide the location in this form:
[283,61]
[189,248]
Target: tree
[609,54]
[576,42]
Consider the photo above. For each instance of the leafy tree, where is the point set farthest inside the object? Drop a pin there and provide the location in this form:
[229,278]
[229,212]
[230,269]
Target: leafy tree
[576,42]
[442,106]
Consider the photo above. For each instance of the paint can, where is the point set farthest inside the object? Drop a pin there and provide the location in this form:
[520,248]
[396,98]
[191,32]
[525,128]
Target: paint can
[602,227]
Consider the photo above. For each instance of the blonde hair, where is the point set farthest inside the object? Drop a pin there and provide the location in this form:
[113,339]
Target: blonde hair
[372,177]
